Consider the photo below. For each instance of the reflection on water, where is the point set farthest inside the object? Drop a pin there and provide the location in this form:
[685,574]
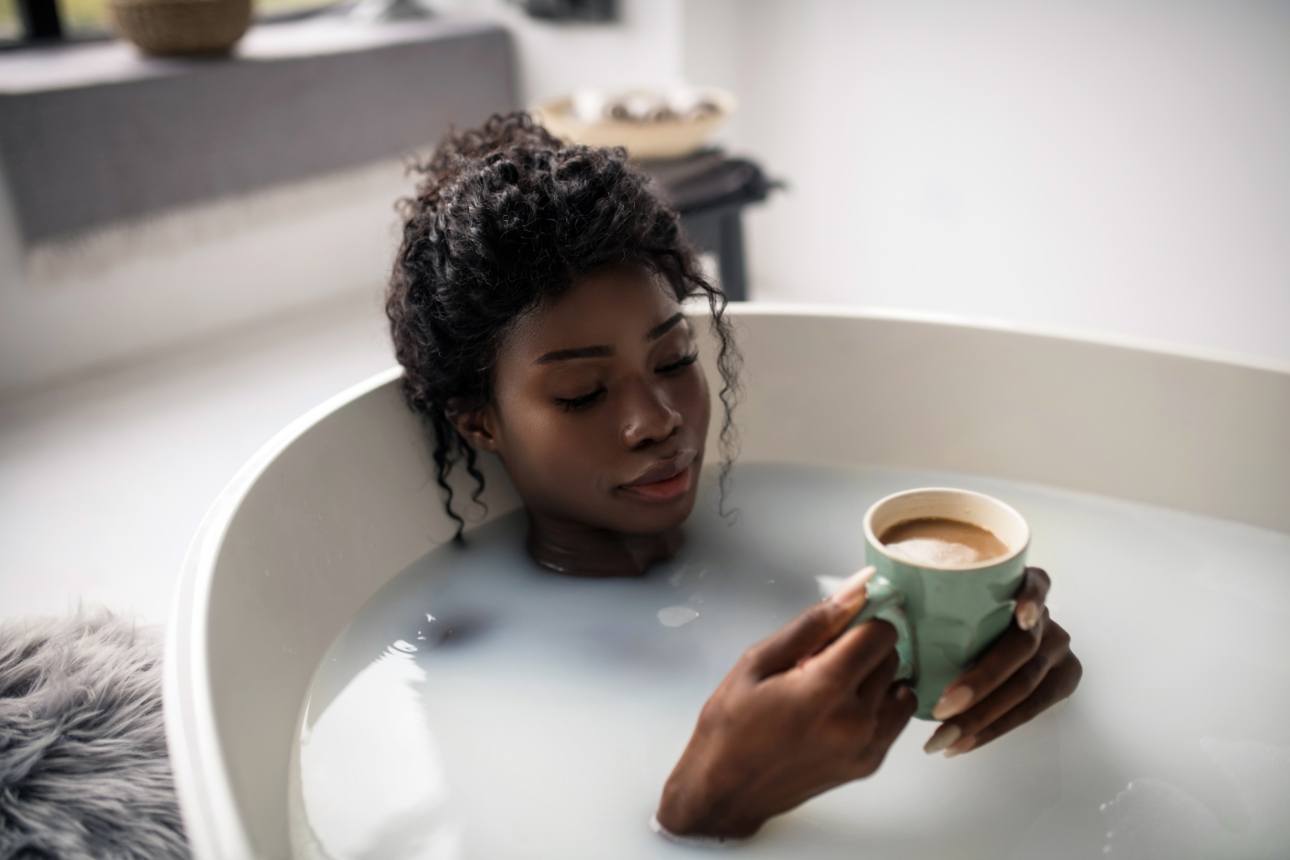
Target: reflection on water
[677,616]
[1239,812]
[480,707]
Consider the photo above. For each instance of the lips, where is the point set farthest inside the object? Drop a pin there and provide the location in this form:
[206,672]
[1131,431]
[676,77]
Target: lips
[667,490]
[664,469]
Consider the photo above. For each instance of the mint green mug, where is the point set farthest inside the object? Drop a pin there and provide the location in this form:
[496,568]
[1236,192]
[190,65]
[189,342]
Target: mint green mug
[944,616]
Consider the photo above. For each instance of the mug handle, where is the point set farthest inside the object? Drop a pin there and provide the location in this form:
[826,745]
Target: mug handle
[885,603]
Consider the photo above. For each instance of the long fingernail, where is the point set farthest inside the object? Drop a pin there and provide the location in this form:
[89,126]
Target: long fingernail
[952,703]
[1027,615]
[943,737]
[961,747]
[851,594]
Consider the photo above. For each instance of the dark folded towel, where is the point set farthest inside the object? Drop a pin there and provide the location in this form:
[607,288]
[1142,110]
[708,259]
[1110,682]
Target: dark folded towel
[709,179]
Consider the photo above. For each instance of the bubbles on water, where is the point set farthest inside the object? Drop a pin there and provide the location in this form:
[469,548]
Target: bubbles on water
[1153,817]
[676,616]
[687,573]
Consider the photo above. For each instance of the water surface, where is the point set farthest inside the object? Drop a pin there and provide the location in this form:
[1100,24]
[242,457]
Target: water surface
[481,707]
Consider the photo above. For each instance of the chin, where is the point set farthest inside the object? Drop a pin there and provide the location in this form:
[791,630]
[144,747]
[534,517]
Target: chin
[637,521]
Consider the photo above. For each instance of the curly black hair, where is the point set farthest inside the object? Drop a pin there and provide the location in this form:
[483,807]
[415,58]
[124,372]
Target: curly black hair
[507,217]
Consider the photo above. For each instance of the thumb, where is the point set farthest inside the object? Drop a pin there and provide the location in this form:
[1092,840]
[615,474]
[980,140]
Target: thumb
[810,631]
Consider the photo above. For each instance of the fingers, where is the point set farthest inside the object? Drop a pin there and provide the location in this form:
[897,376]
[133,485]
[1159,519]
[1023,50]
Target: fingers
[1017,645]
[1056,686]
[810,631]
[895,713]
[877,684]
[897,707]
[999,663]
[856,654]
[1023,684]
[1031,596]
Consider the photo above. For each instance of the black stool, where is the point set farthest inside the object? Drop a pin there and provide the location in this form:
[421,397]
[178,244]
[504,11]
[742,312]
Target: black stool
[709,189]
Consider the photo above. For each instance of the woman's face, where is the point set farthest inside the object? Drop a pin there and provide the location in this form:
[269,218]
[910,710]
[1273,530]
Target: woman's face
[600,412]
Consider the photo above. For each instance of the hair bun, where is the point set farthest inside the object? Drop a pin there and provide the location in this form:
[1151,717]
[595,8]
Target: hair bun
[458,149]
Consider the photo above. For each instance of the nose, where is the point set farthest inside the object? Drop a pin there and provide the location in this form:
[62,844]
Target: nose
[648,417]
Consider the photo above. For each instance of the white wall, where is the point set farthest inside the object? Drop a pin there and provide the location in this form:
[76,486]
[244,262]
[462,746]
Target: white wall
[641,48]
[134,289]
[1114,167]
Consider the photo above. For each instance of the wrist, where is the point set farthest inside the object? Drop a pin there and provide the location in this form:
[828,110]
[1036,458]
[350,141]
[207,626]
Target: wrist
[693,841]
[694,804]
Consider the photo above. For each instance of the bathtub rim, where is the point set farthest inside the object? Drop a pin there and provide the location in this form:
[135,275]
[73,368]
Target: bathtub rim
[212,821]
[211,814]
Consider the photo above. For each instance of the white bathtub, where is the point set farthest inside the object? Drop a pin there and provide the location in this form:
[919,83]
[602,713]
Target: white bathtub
[341,501]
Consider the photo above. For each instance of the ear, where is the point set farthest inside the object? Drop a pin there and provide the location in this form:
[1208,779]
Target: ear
[477,426]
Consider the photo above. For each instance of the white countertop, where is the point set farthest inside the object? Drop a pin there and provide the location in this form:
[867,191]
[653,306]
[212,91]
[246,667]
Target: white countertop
[103,481]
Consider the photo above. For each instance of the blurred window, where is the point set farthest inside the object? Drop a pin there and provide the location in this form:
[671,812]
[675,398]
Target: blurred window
[10,26]
[270,9]
[88,19]
[84,17]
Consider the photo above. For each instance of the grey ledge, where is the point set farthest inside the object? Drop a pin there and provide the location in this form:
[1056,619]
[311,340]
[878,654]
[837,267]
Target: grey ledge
[95,133]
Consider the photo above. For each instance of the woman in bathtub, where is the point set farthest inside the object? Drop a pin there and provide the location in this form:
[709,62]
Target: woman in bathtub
[535,308]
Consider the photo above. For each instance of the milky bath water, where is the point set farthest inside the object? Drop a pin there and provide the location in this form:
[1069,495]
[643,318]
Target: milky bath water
[482,707]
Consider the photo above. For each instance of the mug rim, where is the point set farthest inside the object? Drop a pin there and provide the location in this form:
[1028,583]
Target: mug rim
[878,545]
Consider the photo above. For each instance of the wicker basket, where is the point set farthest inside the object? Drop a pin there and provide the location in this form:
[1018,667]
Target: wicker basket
[181,27]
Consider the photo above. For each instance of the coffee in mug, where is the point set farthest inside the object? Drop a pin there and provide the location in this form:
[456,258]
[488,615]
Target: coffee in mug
[942,542]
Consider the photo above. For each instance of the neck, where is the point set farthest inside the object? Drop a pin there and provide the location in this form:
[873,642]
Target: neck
[581,550]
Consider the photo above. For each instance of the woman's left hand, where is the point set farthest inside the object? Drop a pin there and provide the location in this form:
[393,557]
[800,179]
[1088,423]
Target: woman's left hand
[1027,670]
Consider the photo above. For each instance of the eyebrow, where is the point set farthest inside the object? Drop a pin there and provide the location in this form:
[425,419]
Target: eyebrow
[605,351]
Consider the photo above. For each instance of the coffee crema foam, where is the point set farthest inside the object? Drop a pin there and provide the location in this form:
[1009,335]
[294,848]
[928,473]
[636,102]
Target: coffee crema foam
[942,542]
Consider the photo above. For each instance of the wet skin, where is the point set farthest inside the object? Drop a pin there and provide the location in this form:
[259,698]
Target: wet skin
[589,393]
[597,392]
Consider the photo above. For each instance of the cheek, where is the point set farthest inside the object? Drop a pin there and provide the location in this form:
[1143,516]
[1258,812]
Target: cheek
[549,452]
[696,403]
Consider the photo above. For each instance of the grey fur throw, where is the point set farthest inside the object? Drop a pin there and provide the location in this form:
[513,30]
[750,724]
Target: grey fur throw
[83,764]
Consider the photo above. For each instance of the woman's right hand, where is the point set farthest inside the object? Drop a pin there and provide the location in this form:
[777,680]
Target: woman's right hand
[803,711]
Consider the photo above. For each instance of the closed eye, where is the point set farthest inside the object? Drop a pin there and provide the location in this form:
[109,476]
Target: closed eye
[573,404]
[679,364]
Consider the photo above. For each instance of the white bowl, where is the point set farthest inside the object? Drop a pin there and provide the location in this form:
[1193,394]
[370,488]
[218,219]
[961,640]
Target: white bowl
[668,138]
[340,502]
